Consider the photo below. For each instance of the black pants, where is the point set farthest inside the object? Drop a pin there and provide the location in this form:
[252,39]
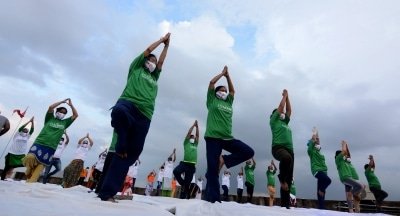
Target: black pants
[131,127]
[379,195]
[323,182]
[188,169]
[239,195]
[249,189]
[96,177]
[107,163]
[286,164]
[225,194]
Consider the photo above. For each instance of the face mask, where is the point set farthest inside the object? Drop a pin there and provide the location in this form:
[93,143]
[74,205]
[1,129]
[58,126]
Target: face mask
[221,95]
[24,134]
[347,159]
[318,147]
[60,115]
[282,116]
[191,140]
[150,66]
[84,145]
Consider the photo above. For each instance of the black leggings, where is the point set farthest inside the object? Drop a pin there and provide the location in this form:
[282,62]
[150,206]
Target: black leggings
[250,189]
[286,164]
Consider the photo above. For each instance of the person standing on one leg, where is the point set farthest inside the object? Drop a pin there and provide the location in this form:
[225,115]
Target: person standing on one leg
[56,161]
[42,150]
[18,148]
[226,183]
[318,167]
[249,171]
[107,162]
[346,175]
[98,169]
[72,171]
[374,184]
[271,171]
[240,181]
[282,146]
[188,165]
[218,135]
[132,172]
[131,116]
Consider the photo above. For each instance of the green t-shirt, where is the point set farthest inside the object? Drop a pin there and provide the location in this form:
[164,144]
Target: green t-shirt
[354,174]
[317,160]
[293,189]
[373,181]
[141,87]
[190,149]
[271,177]
[281,132]
[52,130]
[249,171]
[219,118]
[342,167]
[113,142]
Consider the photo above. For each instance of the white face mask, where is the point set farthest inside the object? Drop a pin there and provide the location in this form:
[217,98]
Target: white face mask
[191,140]
[282,116]
[84,145]
[347,159]
[150,66]
[24,134]
[318,147]
[60,115]
[221,95]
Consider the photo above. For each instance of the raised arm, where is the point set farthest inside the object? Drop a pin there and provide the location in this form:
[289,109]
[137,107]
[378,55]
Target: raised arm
[216,78]
[154,45]
[281,106]
[190,131]
[371,162]
[197,130]
[230,84]
[273,164]
[74,112]
[56,104]
[81,140]
[345,149]
[254,162]
[32,125]
[173,155]
[90,140]
[164,51]
[66,137]
[288,106]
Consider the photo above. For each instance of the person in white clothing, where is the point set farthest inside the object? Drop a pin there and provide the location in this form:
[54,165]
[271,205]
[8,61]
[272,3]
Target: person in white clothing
[240,179]
[18,149]
[226,182]
[98,169]
[73,170]
[169,165]
[132,172]
[56,161]
[200,186]
[160,179]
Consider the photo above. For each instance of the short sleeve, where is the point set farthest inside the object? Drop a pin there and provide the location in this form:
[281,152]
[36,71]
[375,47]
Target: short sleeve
[136,63]
[210,96]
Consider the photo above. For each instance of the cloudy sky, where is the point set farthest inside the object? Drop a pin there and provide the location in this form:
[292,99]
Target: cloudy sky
[338,60]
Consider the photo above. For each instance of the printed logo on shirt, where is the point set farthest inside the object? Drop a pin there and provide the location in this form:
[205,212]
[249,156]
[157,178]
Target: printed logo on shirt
[150,79]
[57,125]
[225,108]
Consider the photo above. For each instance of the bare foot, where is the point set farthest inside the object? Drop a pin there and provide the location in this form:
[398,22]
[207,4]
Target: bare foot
[221,162]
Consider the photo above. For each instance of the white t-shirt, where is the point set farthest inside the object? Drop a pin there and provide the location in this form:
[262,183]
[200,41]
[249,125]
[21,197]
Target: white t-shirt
[82,151]
[133,170]
[225,180]
[240,182]
[169,167]
[20,144]
[100,163]
[60,149]
[160,175]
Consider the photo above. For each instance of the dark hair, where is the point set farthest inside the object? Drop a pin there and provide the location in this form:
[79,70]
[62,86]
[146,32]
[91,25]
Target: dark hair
[366,166]
[151,55]
[219,87]
[62,108]
[337,153]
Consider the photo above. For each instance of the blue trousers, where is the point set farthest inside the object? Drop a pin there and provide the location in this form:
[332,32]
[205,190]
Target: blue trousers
[240,152]
[131,127]
[189,169]
[56,162]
